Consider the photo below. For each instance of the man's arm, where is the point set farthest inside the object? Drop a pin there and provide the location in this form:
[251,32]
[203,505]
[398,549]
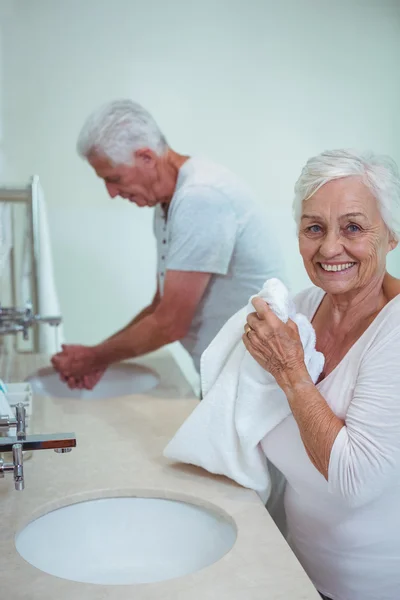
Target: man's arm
[83,354]
[169,322]
[148,310]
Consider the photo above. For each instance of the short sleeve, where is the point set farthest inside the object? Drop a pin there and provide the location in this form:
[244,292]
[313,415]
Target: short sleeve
[202,233]
[365,457]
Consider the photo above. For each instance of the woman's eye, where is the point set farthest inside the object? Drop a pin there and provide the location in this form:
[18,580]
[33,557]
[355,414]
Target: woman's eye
[314,228]
[352,228]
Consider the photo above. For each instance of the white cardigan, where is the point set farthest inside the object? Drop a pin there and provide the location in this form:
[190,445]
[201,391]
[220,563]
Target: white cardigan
[346,532]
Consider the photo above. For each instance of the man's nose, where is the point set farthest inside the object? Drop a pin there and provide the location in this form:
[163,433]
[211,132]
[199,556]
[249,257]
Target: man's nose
[112,189]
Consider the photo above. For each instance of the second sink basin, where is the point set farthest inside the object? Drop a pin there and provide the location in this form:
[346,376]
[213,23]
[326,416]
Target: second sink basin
[121,379]
[117,541]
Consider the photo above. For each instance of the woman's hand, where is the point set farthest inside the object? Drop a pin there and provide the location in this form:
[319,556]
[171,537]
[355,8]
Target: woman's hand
[275,345]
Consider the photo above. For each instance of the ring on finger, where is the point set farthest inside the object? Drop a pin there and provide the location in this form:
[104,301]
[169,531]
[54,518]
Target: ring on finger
[247,329]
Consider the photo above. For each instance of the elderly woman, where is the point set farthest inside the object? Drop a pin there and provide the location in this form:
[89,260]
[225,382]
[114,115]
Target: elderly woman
[340,448]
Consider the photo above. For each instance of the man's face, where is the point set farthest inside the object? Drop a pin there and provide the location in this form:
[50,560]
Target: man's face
[136,182]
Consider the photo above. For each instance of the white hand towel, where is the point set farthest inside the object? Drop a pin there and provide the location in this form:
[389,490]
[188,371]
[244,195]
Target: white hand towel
[241,402]
[48,303]
[5,234]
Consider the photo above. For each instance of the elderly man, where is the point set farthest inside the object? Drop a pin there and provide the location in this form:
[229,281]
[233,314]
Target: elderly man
[214,245]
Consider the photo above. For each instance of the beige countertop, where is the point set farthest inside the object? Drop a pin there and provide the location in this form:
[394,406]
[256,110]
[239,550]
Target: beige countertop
[119,452]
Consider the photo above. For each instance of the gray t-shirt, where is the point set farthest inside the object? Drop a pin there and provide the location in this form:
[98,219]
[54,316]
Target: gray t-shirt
[215,226]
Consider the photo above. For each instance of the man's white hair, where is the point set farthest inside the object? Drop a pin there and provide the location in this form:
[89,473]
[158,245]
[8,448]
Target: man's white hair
[379,173]
[117,130]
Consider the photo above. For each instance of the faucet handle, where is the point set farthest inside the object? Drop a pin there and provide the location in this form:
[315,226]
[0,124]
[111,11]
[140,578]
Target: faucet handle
[18,461]
[20,413]
[28,308]
[27,319]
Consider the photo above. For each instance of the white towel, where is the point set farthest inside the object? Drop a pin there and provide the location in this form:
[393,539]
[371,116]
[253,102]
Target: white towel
[5,234]
[48,306]
[241,402]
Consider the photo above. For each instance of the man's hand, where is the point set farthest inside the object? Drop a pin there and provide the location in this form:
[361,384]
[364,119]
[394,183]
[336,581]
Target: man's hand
[87,382]
[167,320]
[76,362]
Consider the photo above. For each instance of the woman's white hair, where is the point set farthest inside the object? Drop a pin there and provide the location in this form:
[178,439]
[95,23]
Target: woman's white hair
[379,173]
[117,130]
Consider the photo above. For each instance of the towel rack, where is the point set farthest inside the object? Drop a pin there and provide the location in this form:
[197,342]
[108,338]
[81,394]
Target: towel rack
[18,195]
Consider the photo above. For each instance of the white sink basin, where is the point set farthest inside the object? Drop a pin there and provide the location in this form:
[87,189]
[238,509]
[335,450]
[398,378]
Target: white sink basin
[120,379]
[117,541]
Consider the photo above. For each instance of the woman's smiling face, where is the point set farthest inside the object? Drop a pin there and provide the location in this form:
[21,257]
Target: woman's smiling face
[343,239]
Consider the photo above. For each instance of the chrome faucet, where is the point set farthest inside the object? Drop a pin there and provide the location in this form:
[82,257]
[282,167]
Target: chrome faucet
[19,421]
[15,320]
[16,466]
[59,442]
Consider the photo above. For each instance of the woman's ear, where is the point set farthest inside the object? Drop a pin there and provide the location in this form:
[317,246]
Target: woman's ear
[392,243]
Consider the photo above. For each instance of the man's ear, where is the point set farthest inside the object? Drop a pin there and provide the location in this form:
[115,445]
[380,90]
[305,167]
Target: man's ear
[145,157]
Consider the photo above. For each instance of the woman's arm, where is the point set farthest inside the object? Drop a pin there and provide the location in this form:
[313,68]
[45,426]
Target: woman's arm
[360,456]
[318,425]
